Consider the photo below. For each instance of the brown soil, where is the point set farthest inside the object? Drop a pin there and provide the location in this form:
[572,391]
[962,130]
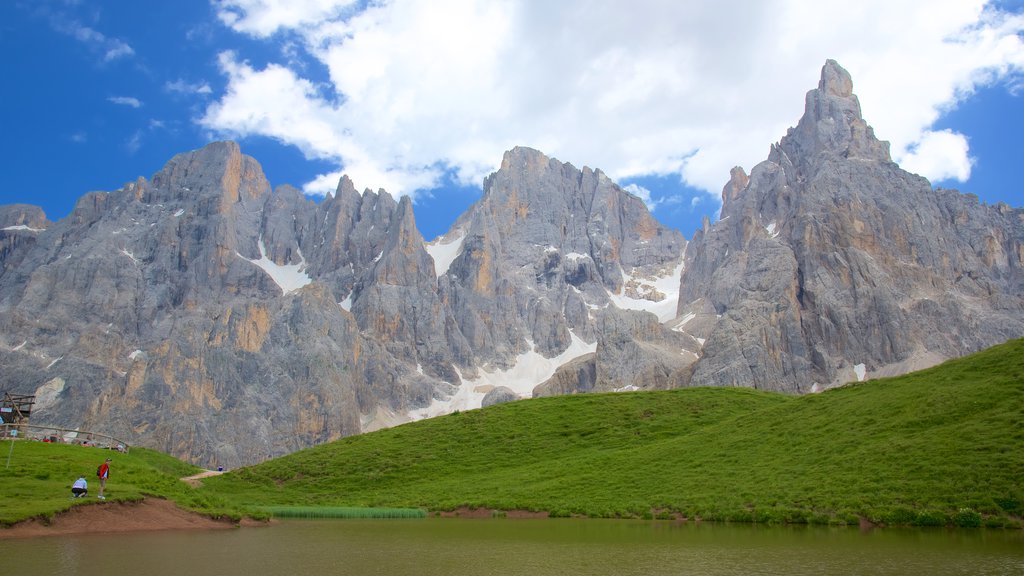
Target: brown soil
[104,517]
[466,512]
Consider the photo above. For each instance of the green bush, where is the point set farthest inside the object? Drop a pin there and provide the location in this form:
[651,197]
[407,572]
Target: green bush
[995,522]
[900,516]
[1010,505]
[931,518]
[967,518]
[741,516]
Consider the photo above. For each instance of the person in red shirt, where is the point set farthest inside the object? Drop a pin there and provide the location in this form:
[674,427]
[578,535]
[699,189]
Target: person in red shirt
[103,473]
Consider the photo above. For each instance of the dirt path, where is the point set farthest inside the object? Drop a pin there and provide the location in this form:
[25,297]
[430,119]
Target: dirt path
[195,480]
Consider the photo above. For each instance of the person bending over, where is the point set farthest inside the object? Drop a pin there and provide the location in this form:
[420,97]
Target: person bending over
[80,488]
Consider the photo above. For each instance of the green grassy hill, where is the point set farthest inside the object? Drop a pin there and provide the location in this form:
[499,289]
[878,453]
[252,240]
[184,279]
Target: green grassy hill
[37,483]
[941,446]
[938,447]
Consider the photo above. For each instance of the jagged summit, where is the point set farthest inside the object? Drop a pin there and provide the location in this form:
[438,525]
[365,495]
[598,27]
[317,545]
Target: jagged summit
[831,264]
[835,80]
[205,315]
[832,124]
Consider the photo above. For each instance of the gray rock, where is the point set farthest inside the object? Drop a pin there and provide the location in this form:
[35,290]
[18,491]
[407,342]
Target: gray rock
[499,395]
[831,260]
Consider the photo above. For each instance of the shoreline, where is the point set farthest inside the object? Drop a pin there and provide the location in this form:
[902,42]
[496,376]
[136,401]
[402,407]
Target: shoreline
[148,515]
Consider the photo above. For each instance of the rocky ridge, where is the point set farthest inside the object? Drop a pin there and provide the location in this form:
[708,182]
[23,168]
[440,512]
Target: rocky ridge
[202,313]
[830,264]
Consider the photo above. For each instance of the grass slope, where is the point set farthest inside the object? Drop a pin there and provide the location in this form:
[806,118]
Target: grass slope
[941,446]
[38,481]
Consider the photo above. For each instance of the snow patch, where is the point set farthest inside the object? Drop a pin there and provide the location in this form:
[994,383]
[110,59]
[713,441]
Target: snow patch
[444,253]
[771,229]
[664,309]
[686,319]
[530,369]
[130,255]
[19,346]
[346,304]
[574,256]
[288,277]
[179,212]
[22,227]
[860,370]
[50,365]
[136,355]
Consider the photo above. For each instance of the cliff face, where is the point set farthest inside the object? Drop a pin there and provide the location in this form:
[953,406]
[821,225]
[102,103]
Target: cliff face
[201,313]
[550,259]
[181,313]
[832,264]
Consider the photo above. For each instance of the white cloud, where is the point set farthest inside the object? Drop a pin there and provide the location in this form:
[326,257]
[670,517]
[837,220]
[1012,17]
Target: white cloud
[117,49]
[133,143]
[688,88]
[261,18]
[125,101]
[97,42]
[183,87]
[643,194]
[942,155]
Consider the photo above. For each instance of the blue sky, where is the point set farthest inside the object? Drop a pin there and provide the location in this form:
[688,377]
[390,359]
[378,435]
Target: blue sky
[422,98]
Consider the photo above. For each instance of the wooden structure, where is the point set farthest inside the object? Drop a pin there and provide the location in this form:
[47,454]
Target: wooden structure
[16,408]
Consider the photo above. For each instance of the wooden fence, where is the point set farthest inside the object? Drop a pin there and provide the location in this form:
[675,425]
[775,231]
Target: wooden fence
[57,434]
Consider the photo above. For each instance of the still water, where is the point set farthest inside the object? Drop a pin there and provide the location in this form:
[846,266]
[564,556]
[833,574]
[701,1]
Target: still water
[499,547]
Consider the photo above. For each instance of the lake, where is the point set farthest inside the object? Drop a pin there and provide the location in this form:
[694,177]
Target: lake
[499,547]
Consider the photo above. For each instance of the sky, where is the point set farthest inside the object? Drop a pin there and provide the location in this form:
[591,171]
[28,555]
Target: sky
[423,97]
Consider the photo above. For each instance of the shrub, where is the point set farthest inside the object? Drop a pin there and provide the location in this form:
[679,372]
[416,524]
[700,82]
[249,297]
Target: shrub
[967,518]
[995,522]
[820,519]
[741,516]
[931,518]
[899,516]
[1010,505]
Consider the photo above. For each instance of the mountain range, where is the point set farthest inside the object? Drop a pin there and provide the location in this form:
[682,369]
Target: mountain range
[204,314]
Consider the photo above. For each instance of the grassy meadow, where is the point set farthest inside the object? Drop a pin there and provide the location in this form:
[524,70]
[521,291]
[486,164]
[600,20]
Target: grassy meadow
[37,483]
[943,446]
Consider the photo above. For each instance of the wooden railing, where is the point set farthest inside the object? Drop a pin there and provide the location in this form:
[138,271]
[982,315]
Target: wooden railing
[57,434]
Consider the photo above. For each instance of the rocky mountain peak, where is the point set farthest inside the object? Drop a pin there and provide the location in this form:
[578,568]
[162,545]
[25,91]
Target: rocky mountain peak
[524,158]
[218,171]
[23,216]
[835,80]
[832,123]
[738,180]
[831,264]
[345,186]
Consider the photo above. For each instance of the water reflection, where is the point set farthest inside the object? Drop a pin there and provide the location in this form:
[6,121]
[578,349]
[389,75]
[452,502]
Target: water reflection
[506,547]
